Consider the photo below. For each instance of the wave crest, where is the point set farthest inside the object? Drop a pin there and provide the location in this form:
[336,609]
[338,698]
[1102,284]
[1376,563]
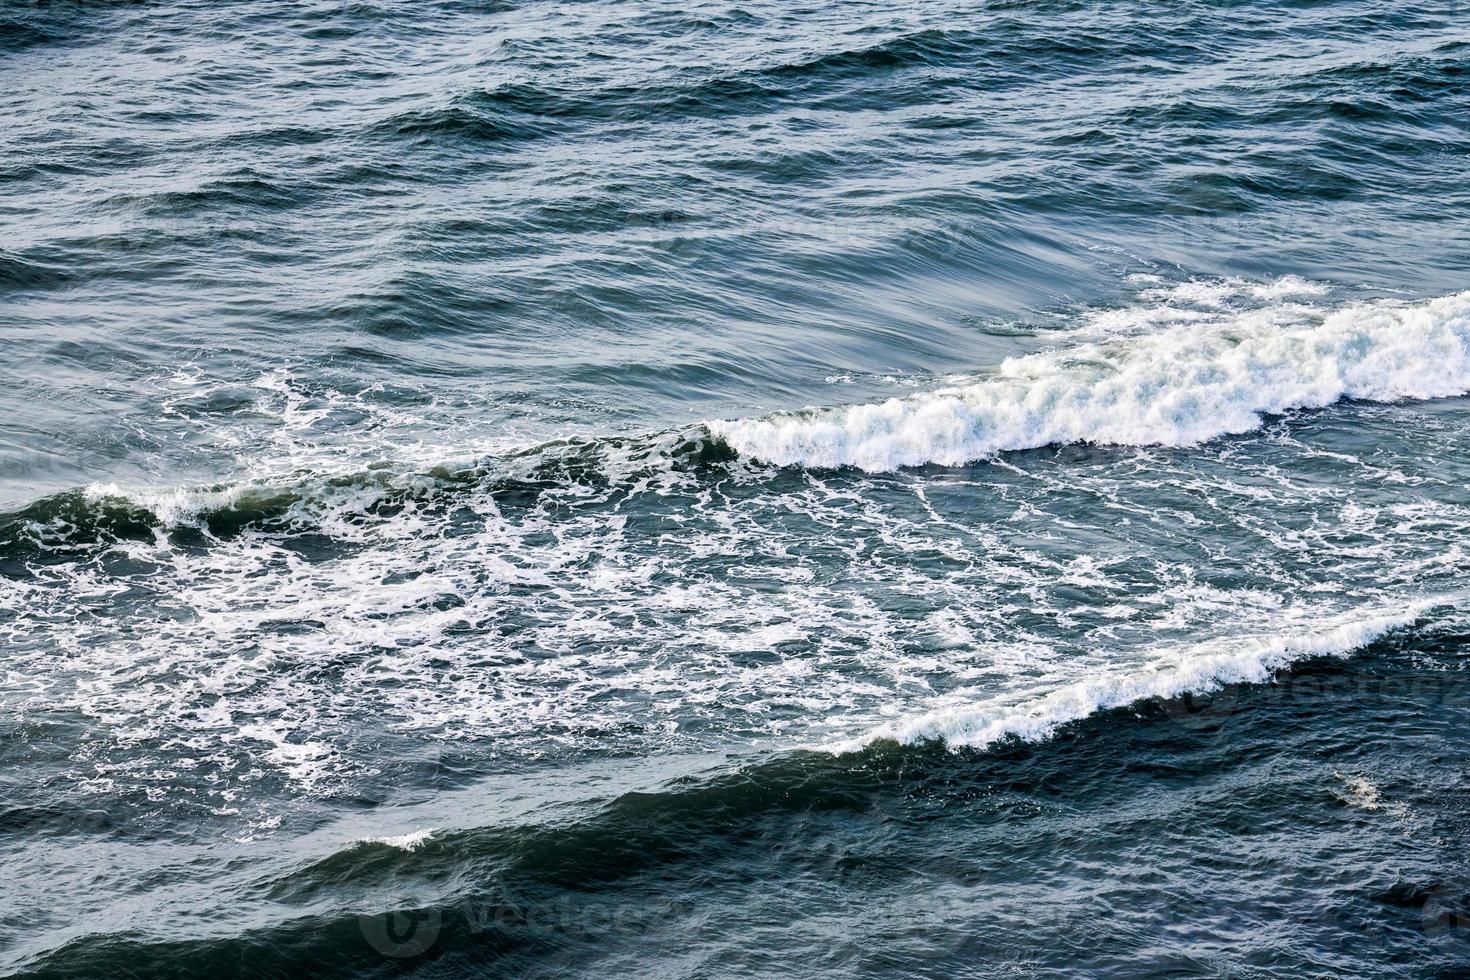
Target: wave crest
[1194,381]
[1200,669]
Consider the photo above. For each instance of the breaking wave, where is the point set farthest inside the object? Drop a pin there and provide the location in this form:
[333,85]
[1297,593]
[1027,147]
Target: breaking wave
[1196,669]
[1212,372]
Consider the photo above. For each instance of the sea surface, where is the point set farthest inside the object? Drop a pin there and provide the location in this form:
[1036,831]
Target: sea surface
[707,489]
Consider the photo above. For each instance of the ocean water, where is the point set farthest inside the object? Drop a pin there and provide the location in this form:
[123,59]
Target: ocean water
[831,489]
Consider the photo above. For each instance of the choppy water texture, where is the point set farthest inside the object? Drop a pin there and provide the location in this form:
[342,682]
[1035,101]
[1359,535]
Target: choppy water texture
[681,489]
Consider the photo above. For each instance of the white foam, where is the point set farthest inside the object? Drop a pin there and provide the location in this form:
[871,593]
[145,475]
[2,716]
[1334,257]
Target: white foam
[404,842]
[766,608]
[1191,670]
[295,434]
[170,505]
[1195,379]
[1363,794]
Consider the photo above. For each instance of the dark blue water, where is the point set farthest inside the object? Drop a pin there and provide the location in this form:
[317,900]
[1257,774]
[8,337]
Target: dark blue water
[700,490]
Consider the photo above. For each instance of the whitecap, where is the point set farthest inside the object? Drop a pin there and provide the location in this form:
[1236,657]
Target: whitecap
[1191,382]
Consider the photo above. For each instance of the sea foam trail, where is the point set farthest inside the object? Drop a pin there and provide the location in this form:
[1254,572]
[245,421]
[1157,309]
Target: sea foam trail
[1197,669]
[1185,384]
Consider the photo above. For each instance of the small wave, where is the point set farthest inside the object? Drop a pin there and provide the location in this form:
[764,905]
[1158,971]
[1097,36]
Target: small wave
[103,513]
[246,190]
[169,505]
[1217,373]
[17,273]
[925,48]
[404,842]
[464,120]
[19,35]
[1195,670]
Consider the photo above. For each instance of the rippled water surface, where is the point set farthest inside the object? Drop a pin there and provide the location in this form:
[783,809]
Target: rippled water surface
[833,489]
